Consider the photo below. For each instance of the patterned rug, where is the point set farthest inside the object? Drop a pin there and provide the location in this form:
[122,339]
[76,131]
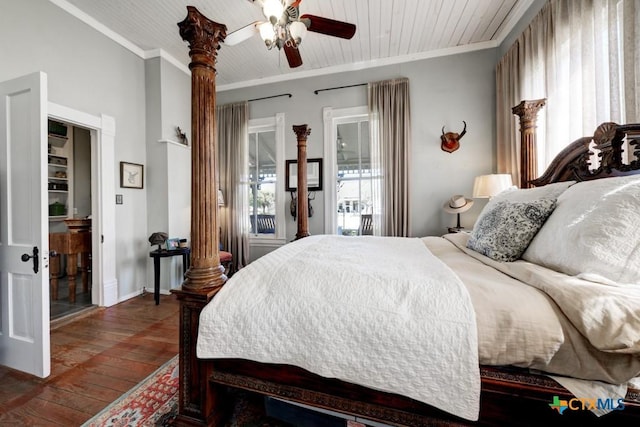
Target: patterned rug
[154,402]
[146,403]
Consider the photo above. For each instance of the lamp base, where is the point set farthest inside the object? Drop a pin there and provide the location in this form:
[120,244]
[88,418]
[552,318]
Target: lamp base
[456,229]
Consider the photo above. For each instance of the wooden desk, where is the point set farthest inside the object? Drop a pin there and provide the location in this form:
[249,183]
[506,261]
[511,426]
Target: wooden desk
[72,245]
[165,253]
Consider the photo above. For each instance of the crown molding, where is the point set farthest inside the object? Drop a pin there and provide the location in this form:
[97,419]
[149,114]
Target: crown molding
[122,41]
[159,53]
[517,12]
[96,25]
[357,66]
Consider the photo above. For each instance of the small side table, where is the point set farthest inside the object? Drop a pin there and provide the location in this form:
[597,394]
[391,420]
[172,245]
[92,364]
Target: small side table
[165,253]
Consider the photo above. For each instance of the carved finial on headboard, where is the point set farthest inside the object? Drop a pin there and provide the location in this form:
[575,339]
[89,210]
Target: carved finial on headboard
[608,141]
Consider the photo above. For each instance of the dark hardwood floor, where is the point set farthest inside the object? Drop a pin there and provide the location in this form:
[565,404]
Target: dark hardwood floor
[94,360]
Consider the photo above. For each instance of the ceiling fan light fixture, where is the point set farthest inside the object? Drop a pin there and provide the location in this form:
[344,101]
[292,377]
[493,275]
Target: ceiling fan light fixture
[273,10]
[297,30]
[267,33]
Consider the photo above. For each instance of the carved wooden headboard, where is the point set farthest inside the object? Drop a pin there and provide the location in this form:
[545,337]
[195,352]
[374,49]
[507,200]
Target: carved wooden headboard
[575,161]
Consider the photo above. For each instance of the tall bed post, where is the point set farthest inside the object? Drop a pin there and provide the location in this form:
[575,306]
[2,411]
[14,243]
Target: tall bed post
[528,113]
[205,276]
[302,132]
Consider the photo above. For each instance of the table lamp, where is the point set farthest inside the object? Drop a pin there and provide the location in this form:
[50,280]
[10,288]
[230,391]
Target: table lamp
[487,186]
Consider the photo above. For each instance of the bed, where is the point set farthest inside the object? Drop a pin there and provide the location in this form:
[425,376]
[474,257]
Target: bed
[512,390]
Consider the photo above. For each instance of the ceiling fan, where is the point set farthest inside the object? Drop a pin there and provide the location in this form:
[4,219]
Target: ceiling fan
[285,28]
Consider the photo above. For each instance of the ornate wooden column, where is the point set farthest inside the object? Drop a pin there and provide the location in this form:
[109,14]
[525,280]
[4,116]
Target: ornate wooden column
[205,275]
[302,132]
[528,113]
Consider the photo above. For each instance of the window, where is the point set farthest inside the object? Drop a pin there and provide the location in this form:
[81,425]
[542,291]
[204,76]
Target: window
[266,178]
[350,181]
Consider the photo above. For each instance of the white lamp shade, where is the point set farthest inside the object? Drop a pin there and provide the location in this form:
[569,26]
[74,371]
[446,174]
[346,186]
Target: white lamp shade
[298,31]
[490,185]
[220,198]
[267,32]
[272,10]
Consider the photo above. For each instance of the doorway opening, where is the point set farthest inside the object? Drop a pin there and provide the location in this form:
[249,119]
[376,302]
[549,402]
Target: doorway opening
[69,186]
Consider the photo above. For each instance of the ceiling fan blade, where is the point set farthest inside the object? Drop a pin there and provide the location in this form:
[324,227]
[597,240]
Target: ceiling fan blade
[293,56]
[327,26]
[244,33]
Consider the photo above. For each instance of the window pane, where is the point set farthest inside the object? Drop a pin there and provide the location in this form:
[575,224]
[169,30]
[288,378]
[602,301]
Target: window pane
[262,175]
[354,179]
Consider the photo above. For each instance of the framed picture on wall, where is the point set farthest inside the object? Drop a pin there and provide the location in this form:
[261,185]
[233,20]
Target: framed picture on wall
[131,175]
[314,175]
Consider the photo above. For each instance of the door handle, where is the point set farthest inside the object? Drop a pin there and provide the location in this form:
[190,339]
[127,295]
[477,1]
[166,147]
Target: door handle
[27,257]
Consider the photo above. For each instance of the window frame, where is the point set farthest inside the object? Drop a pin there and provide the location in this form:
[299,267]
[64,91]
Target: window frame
[333,117]
[267,124]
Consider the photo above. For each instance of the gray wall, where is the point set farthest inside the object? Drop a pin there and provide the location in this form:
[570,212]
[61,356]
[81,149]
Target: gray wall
[444,92]
[168,92]
[90,73]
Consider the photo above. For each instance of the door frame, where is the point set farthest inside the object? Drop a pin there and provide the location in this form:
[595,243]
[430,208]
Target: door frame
[103,212]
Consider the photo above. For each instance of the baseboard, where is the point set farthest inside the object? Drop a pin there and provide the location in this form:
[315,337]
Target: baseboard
[110,293]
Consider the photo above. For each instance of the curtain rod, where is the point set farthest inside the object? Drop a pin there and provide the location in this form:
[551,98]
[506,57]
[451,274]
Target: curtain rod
[272,96]
[338,87]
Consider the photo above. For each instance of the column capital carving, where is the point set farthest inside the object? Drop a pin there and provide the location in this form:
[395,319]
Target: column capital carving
[302,132]
[204,37]
[528,110]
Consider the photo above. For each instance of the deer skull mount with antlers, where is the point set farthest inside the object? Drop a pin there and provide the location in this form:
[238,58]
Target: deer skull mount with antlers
[450,141]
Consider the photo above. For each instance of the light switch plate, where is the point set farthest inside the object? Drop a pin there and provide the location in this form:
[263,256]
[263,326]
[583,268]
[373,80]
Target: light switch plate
[118,199]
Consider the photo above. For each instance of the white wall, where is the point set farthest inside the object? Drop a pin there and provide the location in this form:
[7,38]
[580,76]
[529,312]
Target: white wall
[90,73]
[444,92]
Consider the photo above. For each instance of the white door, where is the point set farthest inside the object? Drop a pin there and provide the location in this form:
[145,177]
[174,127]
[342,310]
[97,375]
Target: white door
[24,238]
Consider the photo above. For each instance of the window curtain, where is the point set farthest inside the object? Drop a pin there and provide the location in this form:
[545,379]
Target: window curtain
[390,128]
[582,56]
[232,128]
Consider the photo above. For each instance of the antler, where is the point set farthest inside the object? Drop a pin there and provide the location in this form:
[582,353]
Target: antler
[463,130]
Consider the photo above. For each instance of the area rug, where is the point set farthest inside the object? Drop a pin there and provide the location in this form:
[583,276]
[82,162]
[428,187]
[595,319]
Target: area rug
[154,402]
[146,403]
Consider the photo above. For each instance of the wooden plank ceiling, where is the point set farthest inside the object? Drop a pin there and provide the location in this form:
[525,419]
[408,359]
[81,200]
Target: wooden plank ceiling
[387,31]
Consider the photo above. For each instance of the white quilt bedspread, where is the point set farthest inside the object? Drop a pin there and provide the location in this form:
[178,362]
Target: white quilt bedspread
[381,312]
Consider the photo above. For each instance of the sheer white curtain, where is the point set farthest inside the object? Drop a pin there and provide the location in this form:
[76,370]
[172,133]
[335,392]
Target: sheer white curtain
[233,130]
[390,129]
[582,55]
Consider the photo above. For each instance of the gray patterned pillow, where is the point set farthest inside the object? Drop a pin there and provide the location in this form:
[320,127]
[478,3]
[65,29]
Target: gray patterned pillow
[506,229]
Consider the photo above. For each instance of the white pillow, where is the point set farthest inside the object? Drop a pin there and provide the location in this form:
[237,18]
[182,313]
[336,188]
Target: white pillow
[594,232]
